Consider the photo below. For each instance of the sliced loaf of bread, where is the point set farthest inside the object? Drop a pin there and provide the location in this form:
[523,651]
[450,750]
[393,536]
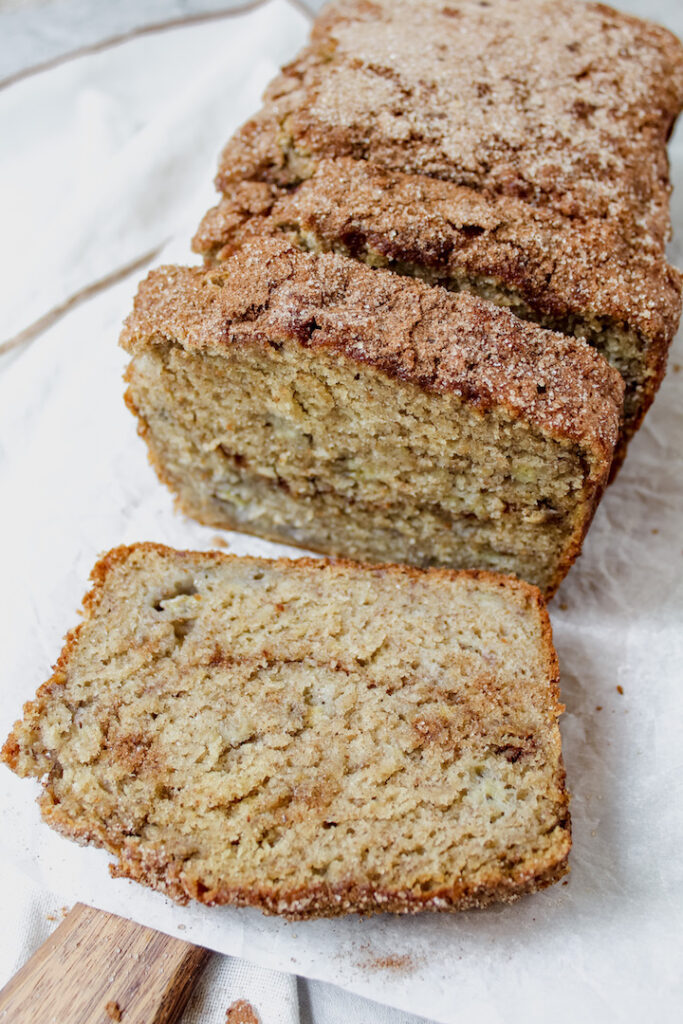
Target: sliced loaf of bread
[308,737]
[309,399]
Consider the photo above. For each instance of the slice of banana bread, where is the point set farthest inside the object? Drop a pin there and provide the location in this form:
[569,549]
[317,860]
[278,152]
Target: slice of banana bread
[515,148]
[309,399]
[308,737]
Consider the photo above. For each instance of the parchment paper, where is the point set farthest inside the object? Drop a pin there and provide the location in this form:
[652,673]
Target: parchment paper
[74,481]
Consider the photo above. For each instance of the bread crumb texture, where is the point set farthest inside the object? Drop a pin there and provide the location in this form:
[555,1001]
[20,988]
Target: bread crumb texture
[309,737]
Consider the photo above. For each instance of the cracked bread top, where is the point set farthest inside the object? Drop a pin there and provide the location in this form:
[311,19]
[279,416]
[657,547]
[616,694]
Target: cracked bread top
[270,292]
[561,104]
[560,267]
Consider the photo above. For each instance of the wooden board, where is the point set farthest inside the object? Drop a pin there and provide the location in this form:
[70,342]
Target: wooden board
[97,968]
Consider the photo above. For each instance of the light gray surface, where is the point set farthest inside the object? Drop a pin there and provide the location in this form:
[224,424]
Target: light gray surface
[34,32]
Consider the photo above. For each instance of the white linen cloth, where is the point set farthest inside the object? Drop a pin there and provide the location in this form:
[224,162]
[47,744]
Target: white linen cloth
[146,120]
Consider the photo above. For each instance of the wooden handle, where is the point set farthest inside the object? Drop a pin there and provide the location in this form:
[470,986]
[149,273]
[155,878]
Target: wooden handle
[97,968]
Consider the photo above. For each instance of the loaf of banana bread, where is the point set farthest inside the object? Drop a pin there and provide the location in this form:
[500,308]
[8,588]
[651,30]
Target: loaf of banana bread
[306,737]
[309,399]
[513,148]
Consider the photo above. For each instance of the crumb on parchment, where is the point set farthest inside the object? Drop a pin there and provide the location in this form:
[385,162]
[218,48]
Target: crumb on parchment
[241,1012]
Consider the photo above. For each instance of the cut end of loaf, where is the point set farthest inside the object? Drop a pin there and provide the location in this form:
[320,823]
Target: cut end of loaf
[275,400]
[308,737]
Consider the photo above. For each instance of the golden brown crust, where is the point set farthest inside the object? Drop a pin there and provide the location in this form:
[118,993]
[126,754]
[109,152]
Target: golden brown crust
[155,868]
[320,900]
[442,342]
[562,104]
[562,268]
